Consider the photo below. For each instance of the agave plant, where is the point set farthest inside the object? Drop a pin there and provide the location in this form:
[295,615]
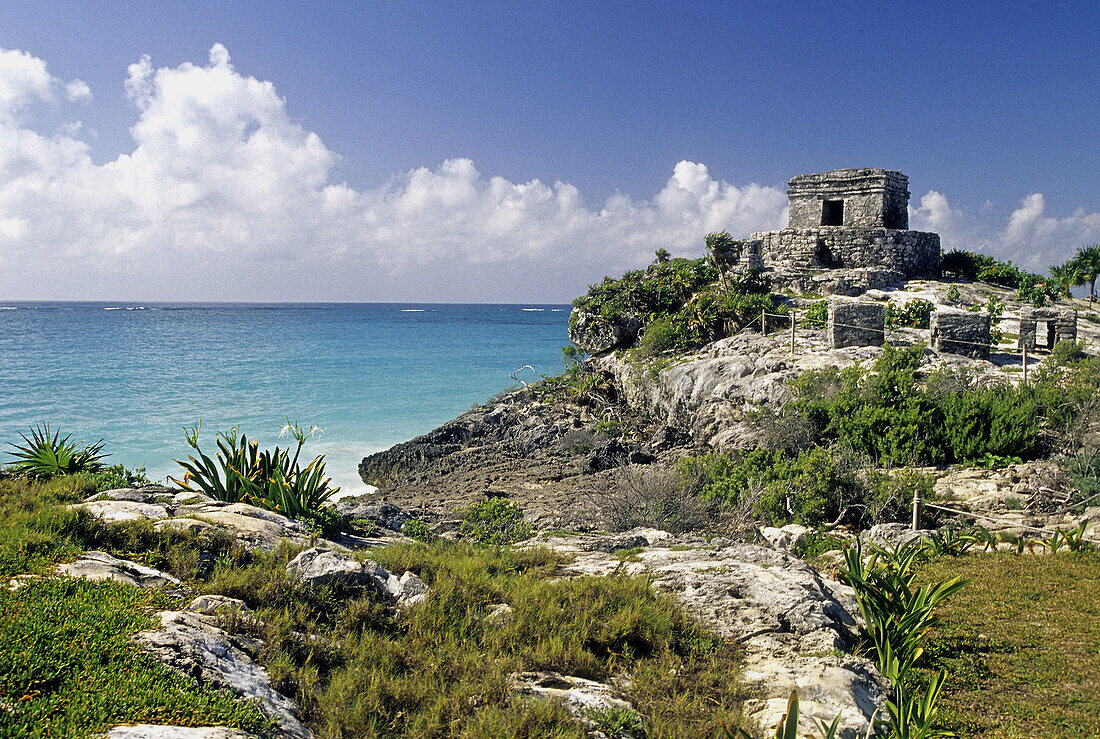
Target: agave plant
[272,479]
[45,456]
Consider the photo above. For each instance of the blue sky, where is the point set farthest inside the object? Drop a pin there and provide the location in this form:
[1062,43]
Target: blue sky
[513,151]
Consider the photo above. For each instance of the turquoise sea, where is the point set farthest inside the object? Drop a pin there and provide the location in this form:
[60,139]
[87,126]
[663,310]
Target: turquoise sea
[368,375]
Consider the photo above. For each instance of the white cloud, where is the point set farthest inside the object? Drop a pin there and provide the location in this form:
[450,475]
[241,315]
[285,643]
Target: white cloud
[224,196]
[222,185]
[78,91]
[1029,237]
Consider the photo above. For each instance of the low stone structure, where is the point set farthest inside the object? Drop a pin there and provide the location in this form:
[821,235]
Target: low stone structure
[1061,325]
[856,324]
[870,198]
[955,332]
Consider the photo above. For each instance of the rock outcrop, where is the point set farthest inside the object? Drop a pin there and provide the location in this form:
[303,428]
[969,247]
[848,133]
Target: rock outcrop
[319,566]
[102,566]
[596,334]
[193,644]
[790,620]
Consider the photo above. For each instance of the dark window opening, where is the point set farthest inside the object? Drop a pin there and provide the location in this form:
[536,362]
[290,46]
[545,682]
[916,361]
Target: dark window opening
[832,212]
[1051,334]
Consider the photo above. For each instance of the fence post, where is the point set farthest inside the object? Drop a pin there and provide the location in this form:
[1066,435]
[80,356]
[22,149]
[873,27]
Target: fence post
[916,509]
[763,323]
[794,315]
[1023,352]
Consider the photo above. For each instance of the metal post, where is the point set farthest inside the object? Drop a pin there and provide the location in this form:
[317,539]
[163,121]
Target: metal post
[1023,352]
[794,313]
[916,509]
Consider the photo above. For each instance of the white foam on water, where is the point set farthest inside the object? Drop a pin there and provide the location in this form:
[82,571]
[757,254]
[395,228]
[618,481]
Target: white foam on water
[413,310]
[533,310]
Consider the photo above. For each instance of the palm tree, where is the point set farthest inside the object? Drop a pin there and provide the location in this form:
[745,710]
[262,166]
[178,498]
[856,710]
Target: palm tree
[1067,275]
[1088,261]
[724,253]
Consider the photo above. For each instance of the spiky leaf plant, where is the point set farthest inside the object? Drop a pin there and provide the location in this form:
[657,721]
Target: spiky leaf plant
[44,456]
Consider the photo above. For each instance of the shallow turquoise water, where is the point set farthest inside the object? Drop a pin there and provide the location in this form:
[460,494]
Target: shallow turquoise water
[369,375]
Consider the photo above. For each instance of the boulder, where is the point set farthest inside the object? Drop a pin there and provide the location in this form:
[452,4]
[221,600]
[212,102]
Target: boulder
[407,590]
[382,514]
[787,538]
[320,566]
[596,334]
[614,453]
[102,566]
[212,604]
[193,645]
[118,511]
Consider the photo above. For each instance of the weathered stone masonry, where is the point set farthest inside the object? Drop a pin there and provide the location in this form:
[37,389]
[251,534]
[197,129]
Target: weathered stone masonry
[956,332]
[857,324]
[847,219]
[1061,325]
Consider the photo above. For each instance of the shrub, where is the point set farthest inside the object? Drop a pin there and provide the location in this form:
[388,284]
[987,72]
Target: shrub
[892,416]
[964,264]
[45,456]
[495,522]
[656,497]
[915,314]
[817,314]
[269,479]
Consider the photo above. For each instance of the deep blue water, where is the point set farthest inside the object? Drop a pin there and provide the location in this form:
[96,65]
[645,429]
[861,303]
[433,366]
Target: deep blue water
[369,375]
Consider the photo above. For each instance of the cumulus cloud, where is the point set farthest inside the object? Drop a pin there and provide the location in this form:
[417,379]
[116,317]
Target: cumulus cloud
[1029,236]
[224,196]
[78,91]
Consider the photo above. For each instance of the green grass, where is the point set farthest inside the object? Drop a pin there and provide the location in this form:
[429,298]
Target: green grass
[67,668]
[356,668]
[1021,645]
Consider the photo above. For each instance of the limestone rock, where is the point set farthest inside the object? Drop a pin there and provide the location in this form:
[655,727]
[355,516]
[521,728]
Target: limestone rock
[151,731]
[117,511]
[787,538]
[102,566]
[576,694]
[407,590]
[383,514]
[890,535]
[789,619]
[211,604]
[596,334]
[321,566]
[191,644]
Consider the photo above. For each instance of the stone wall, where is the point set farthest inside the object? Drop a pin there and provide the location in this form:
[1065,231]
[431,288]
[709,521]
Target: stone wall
[1061,325]
[914,254]
[857,324]
[871,198]
[966,334]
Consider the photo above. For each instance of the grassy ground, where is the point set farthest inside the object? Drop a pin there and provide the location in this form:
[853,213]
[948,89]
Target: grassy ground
[1021,644]
[355,668]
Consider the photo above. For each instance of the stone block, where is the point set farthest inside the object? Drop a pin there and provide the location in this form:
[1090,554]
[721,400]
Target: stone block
[966,334]
[857,324]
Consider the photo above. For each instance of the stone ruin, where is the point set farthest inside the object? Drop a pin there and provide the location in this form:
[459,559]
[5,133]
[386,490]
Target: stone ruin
[847,232]
[856,324]
[964,333]
[1061,325]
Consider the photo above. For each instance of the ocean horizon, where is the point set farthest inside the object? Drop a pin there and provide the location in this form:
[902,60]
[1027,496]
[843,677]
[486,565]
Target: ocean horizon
[369,375]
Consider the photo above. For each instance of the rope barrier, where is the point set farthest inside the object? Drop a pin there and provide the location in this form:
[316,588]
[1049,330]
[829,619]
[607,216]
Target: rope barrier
[1013,524]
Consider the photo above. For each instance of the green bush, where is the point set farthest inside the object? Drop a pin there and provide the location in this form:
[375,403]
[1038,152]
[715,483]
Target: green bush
[915,314]
[44,456]
[893,416]
[810,488]
[658,290]
[817,314]
[494,522]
